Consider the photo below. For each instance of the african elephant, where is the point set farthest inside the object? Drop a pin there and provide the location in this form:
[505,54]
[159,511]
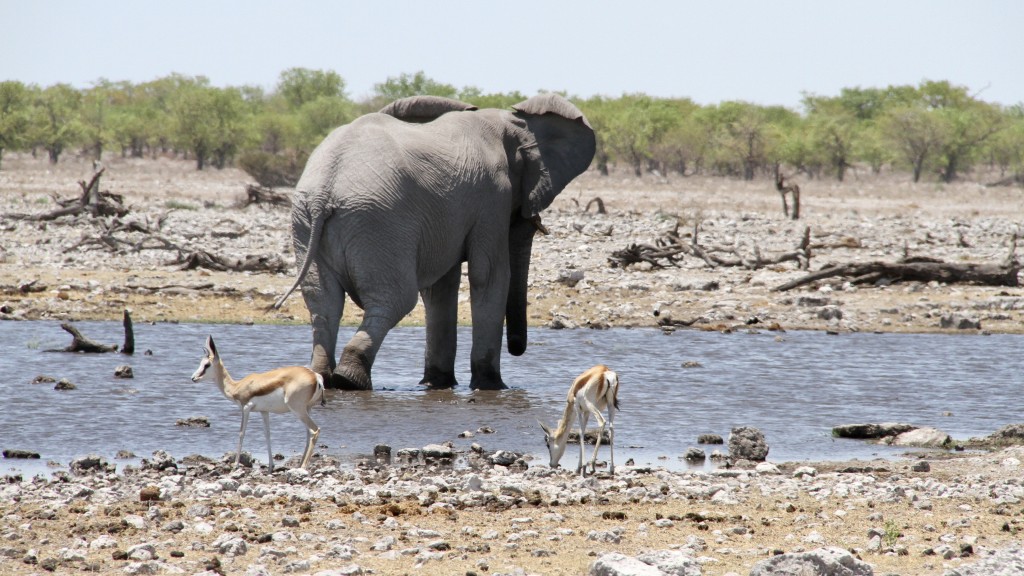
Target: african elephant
[390,206]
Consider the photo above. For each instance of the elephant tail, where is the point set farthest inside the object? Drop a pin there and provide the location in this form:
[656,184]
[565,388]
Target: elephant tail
[316,228]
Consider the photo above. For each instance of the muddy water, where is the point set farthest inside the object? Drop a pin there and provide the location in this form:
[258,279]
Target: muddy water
[794,387]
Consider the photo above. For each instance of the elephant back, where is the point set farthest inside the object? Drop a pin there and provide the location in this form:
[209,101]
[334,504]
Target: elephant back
[422,109]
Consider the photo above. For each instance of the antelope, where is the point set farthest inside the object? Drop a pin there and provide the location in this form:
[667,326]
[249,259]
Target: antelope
[293,388]
[595,390]
[783,188]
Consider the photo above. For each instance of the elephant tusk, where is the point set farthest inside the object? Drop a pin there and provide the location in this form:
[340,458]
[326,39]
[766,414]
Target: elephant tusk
[540,225]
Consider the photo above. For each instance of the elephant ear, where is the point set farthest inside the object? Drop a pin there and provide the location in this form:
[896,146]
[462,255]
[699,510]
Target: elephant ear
[560,148]
[422,109]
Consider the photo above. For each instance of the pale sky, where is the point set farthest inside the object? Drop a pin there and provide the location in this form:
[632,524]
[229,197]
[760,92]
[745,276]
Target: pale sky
[767,52]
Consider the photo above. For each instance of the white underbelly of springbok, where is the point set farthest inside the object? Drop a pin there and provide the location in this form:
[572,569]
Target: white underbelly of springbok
[273,402]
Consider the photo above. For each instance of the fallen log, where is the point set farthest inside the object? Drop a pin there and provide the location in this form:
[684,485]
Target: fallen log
[256,194]
[80,343]
[248,263]
[1004,274]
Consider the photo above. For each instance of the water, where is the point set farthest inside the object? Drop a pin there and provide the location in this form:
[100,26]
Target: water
[794,388]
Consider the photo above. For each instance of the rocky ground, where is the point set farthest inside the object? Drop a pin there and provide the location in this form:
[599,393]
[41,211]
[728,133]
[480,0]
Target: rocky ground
[75,268]
[898,517]
[944,516]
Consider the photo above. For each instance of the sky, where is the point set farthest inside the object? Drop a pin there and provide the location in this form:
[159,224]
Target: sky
[768,52]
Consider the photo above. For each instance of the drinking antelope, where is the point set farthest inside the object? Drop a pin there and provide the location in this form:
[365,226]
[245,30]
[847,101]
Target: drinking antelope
[595,390]
[293,388]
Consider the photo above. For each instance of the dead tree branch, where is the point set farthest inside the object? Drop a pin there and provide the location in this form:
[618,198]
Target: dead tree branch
[80,343]
[670,246]
[256,194]
[92,202]
[210,261]
[600,205]
[920,269]
[129,334]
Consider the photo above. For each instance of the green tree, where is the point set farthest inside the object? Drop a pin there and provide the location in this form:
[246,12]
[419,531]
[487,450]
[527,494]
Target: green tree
[317,118]
[871,147]
[191,108]
[833,131]
[966,129]
[300,86]
[636,123]
[55,121]
[231,127]
[741,138]
[796,148]
[683,145]
[1006,148]
[153,103]
[406,85]
[474,96]
[101,106]
[136,120]
[916,135]
[599,111]
[15,100]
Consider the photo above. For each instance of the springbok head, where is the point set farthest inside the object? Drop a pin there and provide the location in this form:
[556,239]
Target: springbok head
[207,360]
[556,444]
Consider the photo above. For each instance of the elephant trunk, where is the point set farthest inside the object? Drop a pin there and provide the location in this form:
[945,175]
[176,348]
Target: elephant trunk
[520,243]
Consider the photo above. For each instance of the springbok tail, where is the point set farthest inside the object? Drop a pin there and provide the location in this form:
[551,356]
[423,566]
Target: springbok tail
[320,389]
[612,379]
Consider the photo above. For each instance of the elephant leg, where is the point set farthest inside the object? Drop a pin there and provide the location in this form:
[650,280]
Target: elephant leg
[489,296]
[353,371]
[441,302]
[325,301]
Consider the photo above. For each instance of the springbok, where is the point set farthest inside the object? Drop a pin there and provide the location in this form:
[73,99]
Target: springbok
[293,388]
[595,390]
[791,188]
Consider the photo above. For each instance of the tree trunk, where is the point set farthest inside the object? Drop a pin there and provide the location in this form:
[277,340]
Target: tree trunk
[949,172]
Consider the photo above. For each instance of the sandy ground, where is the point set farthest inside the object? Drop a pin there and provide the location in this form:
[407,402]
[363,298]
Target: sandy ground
[952,513]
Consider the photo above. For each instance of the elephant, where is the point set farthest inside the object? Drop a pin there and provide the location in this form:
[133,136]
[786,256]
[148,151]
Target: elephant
[389,206]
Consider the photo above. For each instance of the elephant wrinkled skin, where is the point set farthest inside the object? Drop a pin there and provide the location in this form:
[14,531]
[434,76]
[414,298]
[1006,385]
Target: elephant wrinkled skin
[390,206]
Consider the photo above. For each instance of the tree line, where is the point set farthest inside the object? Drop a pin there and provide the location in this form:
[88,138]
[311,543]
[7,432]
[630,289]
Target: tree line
[935,130]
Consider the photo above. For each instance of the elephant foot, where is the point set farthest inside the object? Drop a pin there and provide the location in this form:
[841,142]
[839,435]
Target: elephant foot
[342,380]
[438,380]
[480,383]
[486,377]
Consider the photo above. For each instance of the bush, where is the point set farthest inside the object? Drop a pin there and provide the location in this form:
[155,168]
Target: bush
[273,170]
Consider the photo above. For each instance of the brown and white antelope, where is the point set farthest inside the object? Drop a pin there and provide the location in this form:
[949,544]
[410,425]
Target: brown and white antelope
[293,388]
[595,390]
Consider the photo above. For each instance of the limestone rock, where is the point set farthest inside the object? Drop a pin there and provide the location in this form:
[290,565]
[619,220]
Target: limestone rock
[747,443]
